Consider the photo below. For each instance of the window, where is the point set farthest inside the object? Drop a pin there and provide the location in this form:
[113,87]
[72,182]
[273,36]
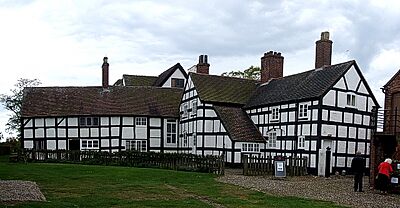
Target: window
[250,147]
[89,121]
[171,131]
[351,100]
[140,121]
[272,139]
[136,145]
[303,110]
[185,139]
[301,140]
[177,82]
[39,145]
[89,144]
[194,107]
[274,114]
[184,110]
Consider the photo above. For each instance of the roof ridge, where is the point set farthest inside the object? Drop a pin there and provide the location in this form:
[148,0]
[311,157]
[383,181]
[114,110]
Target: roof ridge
[214,75]
[139,75]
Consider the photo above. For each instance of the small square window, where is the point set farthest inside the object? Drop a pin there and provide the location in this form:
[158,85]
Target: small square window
[84,144]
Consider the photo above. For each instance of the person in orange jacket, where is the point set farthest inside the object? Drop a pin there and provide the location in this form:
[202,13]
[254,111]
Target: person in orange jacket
[383,178]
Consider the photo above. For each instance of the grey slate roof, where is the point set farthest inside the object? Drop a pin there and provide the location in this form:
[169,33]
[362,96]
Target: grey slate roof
[117,100]
[220,89]
[306,85]
[238,124]
[138,80]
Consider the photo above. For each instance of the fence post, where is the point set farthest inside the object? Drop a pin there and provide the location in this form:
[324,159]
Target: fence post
[328,162]
[245,164]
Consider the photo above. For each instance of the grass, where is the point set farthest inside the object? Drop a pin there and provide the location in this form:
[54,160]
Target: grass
[69,185]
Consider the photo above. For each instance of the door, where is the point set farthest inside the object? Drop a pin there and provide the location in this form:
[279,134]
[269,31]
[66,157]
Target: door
[322,157]
[394,120]
[74,144]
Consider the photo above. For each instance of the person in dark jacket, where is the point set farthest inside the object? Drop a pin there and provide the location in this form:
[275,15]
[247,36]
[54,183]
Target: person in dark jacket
[358,168]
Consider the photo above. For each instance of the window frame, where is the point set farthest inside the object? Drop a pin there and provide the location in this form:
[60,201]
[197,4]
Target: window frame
[351,100]
[136,145]
[275,114]
[251,147]
[140,121]
[301,142]
[303,111]
[84,121]
[185,111]
[175,81]
[171,137]
[194,107]
[273,144]
[90,144]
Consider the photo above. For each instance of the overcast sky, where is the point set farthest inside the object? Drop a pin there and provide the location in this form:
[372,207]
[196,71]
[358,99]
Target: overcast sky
[62,43]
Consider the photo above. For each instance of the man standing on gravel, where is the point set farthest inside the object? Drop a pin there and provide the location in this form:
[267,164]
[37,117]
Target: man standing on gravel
[358,168]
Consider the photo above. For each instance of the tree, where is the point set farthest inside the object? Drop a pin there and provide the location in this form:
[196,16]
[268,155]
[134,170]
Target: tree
[13,103]
[253,72]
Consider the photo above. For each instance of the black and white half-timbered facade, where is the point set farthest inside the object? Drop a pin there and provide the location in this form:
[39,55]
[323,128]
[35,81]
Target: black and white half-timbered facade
[107,118]
[304,114]
[301,115]
[212,120]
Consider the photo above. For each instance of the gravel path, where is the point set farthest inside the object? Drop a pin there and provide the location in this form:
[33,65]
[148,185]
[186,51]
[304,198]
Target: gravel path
[15,190]
[338,189]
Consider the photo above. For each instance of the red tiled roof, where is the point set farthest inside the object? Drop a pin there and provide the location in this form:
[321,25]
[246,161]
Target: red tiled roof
[74,101]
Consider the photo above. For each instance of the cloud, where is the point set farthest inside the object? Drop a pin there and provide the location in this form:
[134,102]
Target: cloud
[63,42]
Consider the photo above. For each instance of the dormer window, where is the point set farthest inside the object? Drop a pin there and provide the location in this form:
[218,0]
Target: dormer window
[351,100]
[177,82]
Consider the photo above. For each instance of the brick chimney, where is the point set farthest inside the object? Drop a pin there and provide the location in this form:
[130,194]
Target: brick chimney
[203,67]
[323,51]
[271,66]
[105,72]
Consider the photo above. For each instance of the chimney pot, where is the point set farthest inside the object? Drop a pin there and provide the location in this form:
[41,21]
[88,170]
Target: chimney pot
[325,35]
[105,72]
[271,66]
[203,67]
[323,51]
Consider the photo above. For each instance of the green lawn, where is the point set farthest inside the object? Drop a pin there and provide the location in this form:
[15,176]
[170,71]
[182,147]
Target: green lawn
[68,185]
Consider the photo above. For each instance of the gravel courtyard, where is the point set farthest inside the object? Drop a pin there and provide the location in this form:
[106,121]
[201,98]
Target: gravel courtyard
[337,189]
[17,191]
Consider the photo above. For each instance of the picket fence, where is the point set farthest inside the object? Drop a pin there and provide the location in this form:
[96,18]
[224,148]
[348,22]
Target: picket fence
[253,166]
[173,161]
